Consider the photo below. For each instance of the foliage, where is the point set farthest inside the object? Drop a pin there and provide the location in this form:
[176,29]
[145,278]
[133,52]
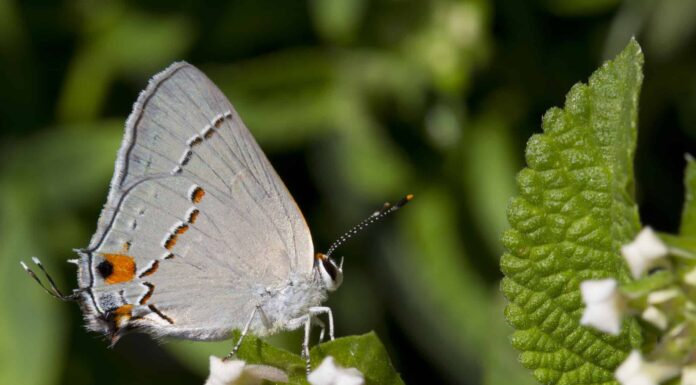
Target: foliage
[364,352]
[355,102]
[574,212]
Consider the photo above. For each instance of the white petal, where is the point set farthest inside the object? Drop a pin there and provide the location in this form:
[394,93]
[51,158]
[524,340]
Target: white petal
[655,317]
[635,259]
[267,373]
[690,277]
[651,245]
[328,373]
[661,296]
[603,305]
[236,372]
[603,318]
[688,376]
[224,372]
[598,290]
[630,367]
[642,253]
[635,371]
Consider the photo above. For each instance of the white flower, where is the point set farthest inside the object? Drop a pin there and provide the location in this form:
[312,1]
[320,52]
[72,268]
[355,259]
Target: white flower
[662,296]
[236,372]
[635,371]
[603,305]
[655,317]
[643,252]
[690,277]
[328,373]
[688,376]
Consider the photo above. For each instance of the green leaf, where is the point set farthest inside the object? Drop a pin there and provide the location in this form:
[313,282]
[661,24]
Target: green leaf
[688,220]
[653,282]
[255,351]
[194,354]
[574,211]
[365,352]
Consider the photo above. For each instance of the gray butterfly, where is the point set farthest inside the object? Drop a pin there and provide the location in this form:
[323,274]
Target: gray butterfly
[199,236]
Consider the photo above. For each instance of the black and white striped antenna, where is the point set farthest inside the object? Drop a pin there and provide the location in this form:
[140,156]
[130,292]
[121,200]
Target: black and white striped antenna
[387,209]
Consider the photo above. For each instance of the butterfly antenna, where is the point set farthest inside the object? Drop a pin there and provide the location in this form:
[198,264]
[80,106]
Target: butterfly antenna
[387,209]
[52,289]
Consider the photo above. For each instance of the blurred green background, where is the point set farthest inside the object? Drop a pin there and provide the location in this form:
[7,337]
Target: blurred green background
[356,102]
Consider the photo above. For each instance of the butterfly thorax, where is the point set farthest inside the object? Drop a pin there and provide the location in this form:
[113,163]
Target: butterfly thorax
[283,305]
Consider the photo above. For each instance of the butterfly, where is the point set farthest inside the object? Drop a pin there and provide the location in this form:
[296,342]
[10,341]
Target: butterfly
[199,236]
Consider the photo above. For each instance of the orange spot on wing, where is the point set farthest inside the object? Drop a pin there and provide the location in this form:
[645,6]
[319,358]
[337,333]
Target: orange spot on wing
[193,216]
[124,310]
[123,268]
[150,290]
[197,195]
[151,270]
[196,141]
[171,241]
[181,229]
[122,314]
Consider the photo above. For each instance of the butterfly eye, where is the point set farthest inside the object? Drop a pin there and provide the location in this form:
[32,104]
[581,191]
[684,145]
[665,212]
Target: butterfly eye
[330,268]
[330,273]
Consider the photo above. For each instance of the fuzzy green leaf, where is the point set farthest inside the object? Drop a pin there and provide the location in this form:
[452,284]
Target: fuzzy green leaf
[574,211]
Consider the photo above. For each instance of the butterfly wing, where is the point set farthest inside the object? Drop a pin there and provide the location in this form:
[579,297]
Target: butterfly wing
[196,218]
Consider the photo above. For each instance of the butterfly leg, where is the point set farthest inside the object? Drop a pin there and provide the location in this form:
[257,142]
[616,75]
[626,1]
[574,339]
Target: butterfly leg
[241,337]
[305,342]
[308,320]
[316,310]
[322,328]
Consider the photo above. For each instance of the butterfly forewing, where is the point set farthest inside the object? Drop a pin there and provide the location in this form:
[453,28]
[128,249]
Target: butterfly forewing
[195,209]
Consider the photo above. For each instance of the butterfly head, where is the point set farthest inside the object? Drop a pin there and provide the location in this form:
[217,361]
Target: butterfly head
[331,274]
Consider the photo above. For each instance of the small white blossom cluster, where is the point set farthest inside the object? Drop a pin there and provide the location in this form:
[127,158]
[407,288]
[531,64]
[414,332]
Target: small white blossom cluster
[636,371]
[328,373]
[237,372]
[663,303]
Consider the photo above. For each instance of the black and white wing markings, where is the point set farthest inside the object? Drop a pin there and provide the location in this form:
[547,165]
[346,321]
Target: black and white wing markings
[184,134]
[255,160]
[199,139]
[207,132]
[181,227]
[235,125]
